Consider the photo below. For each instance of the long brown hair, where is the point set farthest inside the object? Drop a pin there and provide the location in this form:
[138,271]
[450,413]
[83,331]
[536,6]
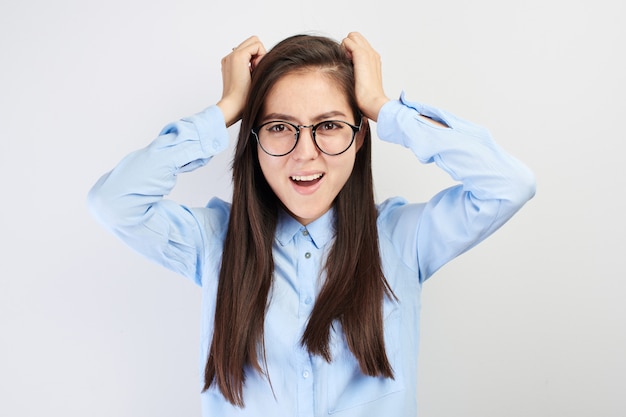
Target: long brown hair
[354,289]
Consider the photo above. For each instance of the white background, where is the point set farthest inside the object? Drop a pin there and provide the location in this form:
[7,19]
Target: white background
[530,323]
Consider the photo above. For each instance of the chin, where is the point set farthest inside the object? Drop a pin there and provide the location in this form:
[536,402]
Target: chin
[308,217]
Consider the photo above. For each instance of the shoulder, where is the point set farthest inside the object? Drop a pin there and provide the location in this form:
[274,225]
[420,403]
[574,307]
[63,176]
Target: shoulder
[214,217]
[387,207]
[396,214]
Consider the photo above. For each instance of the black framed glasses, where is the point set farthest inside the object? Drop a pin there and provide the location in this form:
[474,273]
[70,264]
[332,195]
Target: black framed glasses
[332,137]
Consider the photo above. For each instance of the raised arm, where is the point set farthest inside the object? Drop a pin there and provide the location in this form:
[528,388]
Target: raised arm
[494,185]
[129,200]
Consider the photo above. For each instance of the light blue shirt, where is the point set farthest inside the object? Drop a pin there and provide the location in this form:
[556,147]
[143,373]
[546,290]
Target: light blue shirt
[415,241]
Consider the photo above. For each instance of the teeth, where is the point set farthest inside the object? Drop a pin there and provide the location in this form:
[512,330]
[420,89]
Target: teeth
[306,177]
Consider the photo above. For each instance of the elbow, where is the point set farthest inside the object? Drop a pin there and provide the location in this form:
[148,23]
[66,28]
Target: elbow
[99,206]
[104,205]
[529,184]
[524,187]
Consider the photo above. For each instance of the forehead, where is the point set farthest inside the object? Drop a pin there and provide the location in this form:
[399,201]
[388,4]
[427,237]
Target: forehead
[305,94]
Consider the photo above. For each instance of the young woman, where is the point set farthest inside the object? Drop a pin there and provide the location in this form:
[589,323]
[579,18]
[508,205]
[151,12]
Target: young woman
[311,291]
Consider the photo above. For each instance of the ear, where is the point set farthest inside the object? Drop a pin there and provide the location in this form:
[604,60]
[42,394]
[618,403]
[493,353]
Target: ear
[360,136]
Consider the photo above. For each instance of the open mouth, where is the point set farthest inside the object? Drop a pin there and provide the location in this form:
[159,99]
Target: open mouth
[306,180]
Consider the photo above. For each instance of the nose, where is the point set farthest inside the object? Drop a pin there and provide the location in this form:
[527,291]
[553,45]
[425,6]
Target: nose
[305,148]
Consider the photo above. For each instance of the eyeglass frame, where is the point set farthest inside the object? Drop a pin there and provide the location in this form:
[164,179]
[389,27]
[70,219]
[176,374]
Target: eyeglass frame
[313,127]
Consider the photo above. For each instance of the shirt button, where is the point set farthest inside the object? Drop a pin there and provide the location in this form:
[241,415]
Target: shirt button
[305,374]
[305,232]
[308,300]
[307,255]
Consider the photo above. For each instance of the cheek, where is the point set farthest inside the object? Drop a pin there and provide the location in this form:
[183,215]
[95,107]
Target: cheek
[270,167]
[264,163]
[342,172]
[347,165]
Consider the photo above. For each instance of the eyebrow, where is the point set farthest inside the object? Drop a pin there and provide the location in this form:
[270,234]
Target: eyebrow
[288,118]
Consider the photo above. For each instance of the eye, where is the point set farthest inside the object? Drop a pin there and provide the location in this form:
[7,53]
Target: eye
[276,127]
[329,125]
[279,128]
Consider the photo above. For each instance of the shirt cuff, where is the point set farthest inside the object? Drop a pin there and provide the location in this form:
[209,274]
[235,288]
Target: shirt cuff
[211,129]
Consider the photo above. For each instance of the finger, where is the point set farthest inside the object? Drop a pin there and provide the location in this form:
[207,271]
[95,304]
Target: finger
[355,39]
[256,60]
[347,46]
[257,52]
[251,51]
[251,46]
[354,43]
[251,40]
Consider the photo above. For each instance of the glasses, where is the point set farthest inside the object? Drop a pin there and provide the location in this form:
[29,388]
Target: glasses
[332,137]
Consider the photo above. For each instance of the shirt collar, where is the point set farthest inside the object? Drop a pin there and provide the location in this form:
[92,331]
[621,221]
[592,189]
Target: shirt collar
[321,231]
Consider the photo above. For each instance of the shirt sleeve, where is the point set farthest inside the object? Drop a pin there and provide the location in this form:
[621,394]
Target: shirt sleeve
[493,186]
[129,200]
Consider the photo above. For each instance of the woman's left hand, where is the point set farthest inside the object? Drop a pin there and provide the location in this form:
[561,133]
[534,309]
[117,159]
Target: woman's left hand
[368,76]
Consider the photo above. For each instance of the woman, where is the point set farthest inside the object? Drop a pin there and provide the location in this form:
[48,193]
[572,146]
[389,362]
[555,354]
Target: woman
[310,290]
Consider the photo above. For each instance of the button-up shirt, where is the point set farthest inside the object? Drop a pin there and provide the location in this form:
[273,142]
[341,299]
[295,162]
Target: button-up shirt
[414,239]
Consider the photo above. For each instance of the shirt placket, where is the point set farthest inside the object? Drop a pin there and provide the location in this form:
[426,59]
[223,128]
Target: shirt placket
[308,272]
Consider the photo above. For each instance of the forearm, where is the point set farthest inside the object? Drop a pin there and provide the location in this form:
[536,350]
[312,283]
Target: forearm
[464,150]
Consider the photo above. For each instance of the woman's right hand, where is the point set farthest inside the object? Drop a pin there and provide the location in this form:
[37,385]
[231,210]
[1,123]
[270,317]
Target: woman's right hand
[236,77]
